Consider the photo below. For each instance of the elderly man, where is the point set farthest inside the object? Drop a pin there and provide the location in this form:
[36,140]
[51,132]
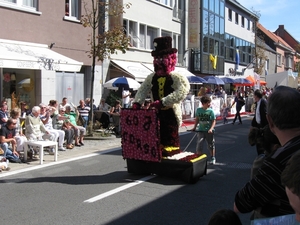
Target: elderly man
[35,129]
[264,193]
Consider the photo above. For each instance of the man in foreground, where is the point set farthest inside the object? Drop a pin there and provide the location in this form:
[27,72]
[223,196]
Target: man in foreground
[264,193]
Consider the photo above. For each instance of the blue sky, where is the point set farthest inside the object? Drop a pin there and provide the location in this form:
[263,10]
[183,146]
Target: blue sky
[277,12]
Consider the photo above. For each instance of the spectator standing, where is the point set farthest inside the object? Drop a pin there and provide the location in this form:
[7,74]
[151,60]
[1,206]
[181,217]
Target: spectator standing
[126,98]
[260,117]
[205,127]
[239,102]
[290,178]
[84,111]
[266,188]
[3,114]
[8,142]
[59,135]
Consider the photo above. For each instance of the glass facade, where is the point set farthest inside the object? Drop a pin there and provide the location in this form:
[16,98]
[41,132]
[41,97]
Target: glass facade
[212,38]
[214,41]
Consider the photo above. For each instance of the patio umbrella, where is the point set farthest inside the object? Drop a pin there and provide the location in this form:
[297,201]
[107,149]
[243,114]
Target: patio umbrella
[214,80]
[227,80]
[122,82]
[251,79]
[244,81]
[196,80]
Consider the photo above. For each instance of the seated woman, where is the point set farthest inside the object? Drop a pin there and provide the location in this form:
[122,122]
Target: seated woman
[105,108]
[79,131]
[115,115]
[15,113]
[58,123]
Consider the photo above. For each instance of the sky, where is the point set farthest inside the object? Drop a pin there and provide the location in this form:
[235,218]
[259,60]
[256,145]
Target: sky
[277,12]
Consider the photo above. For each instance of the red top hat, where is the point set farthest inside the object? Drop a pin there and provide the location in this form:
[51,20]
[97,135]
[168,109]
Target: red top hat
[163,46]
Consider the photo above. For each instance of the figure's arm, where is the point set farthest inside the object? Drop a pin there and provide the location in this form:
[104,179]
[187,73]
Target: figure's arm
[181,88]
[144,90]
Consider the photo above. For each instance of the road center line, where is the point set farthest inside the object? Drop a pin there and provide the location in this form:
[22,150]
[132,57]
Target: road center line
[119,189]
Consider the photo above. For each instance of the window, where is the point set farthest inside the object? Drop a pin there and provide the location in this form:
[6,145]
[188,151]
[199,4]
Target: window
[230,14]
[142,36]
[25,4]
[72,9]
[166,2]
[236,18]
[151,34]
[278,60]
[243,21]
[249,25]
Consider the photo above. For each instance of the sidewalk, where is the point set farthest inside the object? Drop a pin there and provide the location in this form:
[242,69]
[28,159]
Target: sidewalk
[91,145]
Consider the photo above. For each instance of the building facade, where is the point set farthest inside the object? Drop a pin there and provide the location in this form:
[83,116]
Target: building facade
[43,49]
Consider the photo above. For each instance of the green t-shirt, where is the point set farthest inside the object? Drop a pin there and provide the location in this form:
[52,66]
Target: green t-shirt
[72,118]
[206,117]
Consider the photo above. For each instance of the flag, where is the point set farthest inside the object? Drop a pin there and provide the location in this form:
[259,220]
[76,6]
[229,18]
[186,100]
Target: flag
[237,59]
[213,60]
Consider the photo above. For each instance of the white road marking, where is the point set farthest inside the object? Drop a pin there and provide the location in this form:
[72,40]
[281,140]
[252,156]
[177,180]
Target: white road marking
[119,189]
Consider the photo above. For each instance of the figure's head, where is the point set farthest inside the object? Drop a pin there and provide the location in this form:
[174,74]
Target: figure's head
[164,55]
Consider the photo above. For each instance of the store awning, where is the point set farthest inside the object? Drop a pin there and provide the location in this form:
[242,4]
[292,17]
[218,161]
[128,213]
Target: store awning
[135,69]
[25,55]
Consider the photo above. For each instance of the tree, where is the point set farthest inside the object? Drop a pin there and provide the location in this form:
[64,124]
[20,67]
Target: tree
[104,41]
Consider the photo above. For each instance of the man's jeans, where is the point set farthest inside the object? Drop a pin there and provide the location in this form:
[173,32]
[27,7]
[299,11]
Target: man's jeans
[8,154]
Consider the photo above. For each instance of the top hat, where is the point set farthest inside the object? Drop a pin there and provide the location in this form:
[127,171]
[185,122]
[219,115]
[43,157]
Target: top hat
[163,46]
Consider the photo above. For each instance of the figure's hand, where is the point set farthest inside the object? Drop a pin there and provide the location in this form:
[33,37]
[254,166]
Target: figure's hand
[157,104]
[136,105]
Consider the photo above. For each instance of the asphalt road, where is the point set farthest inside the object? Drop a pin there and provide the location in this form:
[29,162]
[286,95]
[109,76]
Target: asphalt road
[98,189]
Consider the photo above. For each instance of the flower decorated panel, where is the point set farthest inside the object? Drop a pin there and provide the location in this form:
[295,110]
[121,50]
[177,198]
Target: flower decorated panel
[140,135]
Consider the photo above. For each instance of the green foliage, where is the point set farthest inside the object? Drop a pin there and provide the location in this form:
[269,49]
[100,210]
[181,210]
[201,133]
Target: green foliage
[113,96]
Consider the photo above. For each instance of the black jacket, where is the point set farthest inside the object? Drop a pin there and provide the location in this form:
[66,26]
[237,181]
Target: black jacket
[263,114]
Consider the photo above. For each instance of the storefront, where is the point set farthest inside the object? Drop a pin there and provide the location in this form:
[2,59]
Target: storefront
[29,72]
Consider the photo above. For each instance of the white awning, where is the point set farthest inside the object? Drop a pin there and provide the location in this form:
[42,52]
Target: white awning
[25,55]
[135,69]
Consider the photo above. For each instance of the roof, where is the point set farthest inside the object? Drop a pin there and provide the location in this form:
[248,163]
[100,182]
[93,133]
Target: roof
[278,40]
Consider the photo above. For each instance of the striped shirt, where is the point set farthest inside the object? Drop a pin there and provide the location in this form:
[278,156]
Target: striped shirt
[265,189]
[84,111]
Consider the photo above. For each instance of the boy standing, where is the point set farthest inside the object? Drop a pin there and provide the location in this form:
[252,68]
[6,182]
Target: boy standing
[204,125]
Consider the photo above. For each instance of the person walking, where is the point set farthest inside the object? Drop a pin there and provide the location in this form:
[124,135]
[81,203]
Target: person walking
[205,126]
[239,102]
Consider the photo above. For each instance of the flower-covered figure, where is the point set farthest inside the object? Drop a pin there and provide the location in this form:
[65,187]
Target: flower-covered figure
[167,89]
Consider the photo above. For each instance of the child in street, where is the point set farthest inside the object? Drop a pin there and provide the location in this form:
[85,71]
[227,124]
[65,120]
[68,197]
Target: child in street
[205,126]
[224,113]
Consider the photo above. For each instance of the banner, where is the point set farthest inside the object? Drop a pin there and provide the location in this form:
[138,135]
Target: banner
[194,24]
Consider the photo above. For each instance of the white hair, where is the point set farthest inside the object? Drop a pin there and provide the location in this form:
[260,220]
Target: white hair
[36,109]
